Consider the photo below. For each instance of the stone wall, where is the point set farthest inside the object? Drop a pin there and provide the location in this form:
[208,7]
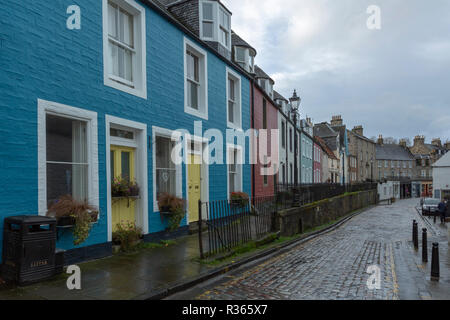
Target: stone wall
[296,220]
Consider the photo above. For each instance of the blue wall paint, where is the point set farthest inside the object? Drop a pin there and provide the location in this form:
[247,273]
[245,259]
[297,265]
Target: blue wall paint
[305,160]
[41,59]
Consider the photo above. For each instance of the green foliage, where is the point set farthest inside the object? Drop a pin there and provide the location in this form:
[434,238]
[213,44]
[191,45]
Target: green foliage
[127,234]
[80,211]
[174,207]
[122,187]
[240,199]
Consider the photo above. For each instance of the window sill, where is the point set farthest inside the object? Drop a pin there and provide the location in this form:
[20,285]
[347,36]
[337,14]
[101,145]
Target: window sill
[234,126]
[196,113]
[125,88]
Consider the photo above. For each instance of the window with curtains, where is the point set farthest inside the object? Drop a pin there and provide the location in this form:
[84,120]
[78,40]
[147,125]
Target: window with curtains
[195,80]
[125,50]
[234,171]
[121,44]
[165,168]
[67,158]
[233,99]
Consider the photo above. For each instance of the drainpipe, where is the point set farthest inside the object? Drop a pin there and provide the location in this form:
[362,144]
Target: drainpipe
[253,127]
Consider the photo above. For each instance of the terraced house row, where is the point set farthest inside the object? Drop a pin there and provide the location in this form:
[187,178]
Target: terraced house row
[91,97]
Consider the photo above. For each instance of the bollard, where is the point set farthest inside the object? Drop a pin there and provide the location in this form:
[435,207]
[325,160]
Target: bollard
[434,218]
[435,262]
[413,230]
[416,236]
[424,245]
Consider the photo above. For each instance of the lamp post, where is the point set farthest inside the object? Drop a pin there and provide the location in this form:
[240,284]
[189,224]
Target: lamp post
[295,103]
[371,170]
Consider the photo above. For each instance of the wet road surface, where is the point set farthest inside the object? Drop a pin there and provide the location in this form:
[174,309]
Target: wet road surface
[334,265]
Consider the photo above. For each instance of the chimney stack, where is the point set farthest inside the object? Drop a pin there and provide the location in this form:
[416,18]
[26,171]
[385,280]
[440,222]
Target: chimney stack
[419,140]
[380,139]
[447,145]
[402,143]
[336,121]
[358,130]
[436,142]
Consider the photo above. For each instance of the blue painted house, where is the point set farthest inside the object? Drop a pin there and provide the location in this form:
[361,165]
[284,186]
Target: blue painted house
[92,91]
[307,147]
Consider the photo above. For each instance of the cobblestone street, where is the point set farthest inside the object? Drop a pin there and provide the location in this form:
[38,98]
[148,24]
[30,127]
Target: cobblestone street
[334,265]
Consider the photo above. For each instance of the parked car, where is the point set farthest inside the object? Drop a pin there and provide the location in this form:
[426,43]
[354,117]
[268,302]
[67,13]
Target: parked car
[430,205]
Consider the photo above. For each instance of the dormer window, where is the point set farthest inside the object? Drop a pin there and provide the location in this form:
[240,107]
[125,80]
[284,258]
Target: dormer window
[224,28]
[267,86]
[215,23]
[244,58]
[208,20]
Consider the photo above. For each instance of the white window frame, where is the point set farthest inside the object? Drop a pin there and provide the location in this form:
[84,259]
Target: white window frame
[238,103]
[217,7]
[239,167]
[139,85]
[166,133]
[61,110]
[203,77]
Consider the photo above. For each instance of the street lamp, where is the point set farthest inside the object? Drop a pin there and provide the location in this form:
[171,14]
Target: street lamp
[371,170]
[295,103]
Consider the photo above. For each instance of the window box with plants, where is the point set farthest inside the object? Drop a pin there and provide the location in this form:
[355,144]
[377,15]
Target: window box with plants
[122,188]
[239,199]
[75,214]
[173,209]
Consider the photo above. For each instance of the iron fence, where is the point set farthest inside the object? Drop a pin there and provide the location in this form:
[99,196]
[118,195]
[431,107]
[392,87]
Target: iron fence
[230,224]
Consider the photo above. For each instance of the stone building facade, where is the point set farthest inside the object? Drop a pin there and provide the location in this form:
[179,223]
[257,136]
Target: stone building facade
[363,149]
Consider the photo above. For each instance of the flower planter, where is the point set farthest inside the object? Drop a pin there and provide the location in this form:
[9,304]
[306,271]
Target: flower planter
[70,221]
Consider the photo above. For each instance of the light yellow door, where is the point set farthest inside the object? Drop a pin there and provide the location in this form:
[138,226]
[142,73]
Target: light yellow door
[194,186]
[122,166]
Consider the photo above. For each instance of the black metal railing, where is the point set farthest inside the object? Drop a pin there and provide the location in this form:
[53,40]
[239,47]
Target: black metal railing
[289,196]
[230,224]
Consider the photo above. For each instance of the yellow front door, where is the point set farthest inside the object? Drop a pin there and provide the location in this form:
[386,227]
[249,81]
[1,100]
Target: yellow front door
[122,166]
[194,186]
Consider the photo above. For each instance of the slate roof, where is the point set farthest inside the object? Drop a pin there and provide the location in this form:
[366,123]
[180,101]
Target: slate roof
[392,152]
[259,73]
[361,137]
[324,130]
[236,40]
[327,133]
[277,96]
[325,148]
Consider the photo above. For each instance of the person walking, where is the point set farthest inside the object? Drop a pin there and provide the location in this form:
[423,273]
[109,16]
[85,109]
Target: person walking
[442,208]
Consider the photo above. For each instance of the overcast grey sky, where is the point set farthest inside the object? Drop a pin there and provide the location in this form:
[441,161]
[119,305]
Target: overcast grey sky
[394,81]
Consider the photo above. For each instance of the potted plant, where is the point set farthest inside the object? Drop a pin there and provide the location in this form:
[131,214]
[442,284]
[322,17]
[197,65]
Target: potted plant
[71,212]
[172,207]
[239,199]
[126,236]
[123,188]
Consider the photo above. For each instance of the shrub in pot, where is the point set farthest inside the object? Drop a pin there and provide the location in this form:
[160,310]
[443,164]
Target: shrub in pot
[127,235]
[78,214]
[239,199]
[173,207]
